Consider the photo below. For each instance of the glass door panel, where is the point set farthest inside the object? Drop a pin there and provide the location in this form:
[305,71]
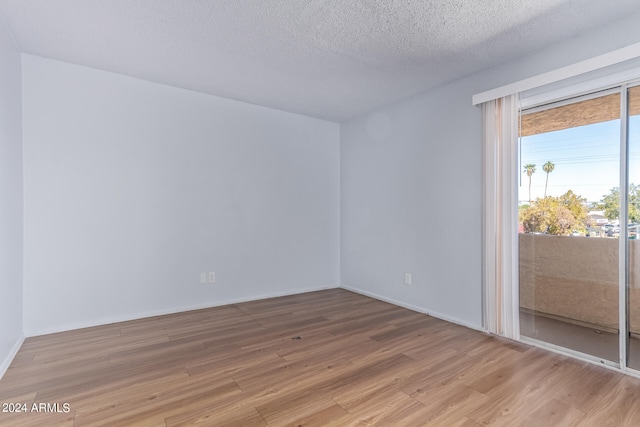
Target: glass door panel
[633,283]
[568,224]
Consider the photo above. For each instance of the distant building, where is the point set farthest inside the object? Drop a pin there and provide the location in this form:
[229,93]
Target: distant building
[598,218]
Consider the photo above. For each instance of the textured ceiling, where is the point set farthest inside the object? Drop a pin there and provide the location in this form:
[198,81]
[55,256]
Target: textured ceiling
[332,59]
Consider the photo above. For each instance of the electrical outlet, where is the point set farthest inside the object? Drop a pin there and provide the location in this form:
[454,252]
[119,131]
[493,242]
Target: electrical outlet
[407,279]
[203,278]
[212,277]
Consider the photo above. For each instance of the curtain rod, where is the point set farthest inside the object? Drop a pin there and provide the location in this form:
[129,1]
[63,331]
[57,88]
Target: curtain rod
[610,58]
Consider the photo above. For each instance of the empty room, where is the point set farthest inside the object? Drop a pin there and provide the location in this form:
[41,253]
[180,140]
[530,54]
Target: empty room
[310,213]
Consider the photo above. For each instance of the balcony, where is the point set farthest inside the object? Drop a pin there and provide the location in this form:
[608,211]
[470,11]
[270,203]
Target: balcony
[569,292]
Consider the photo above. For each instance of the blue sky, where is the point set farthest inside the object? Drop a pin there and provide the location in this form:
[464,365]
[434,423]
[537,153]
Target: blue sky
[586,159]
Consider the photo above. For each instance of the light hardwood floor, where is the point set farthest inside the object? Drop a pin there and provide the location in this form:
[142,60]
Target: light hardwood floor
[323,358]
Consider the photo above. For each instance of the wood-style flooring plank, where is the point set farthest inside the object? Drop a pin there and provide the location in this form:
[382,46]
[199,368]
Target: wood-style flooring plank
[621,407]
[330,357]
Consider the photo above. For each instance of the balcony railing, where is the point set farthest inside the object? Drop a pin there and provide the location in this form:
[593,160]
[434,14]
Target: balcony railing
[575,279]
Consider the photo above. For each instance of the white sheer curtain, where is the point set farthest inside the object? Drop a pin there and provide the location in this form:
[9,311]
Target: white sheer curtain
[500,222]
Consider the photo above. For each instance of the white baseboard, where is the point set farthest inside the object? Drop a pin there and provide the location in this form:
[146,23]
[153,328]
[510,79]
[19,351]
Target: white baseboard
[412,307]
[12,353]
[142,315]
[385,299]
[37,332]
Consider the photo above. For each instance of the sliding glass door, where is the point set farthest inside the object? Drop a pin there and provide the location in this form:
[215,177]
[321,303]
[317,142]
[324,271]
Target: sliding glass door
[569,225]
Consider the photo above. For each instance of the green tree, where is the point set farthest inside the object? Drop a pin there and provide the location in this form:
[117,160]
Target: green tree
[611,203]
[577,205]
[634,203]
[556,215]
[548,216]
[548,168]
[529,169]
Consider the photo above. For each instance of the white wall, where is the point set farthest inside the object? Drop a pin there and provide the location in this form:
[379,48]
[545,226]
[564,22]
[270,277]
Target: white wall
[411,203]
[411,186]
[133,188]
[10,200]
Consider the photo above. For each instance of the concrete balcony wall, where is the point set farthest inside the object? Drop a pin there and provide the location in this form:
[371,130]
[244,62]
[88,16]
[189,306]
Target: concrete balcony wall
[576,278]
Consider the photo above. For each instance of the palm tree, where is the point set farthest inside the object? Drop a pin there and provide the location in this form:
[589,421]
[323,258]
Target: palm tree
[529,169]
[548,168]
